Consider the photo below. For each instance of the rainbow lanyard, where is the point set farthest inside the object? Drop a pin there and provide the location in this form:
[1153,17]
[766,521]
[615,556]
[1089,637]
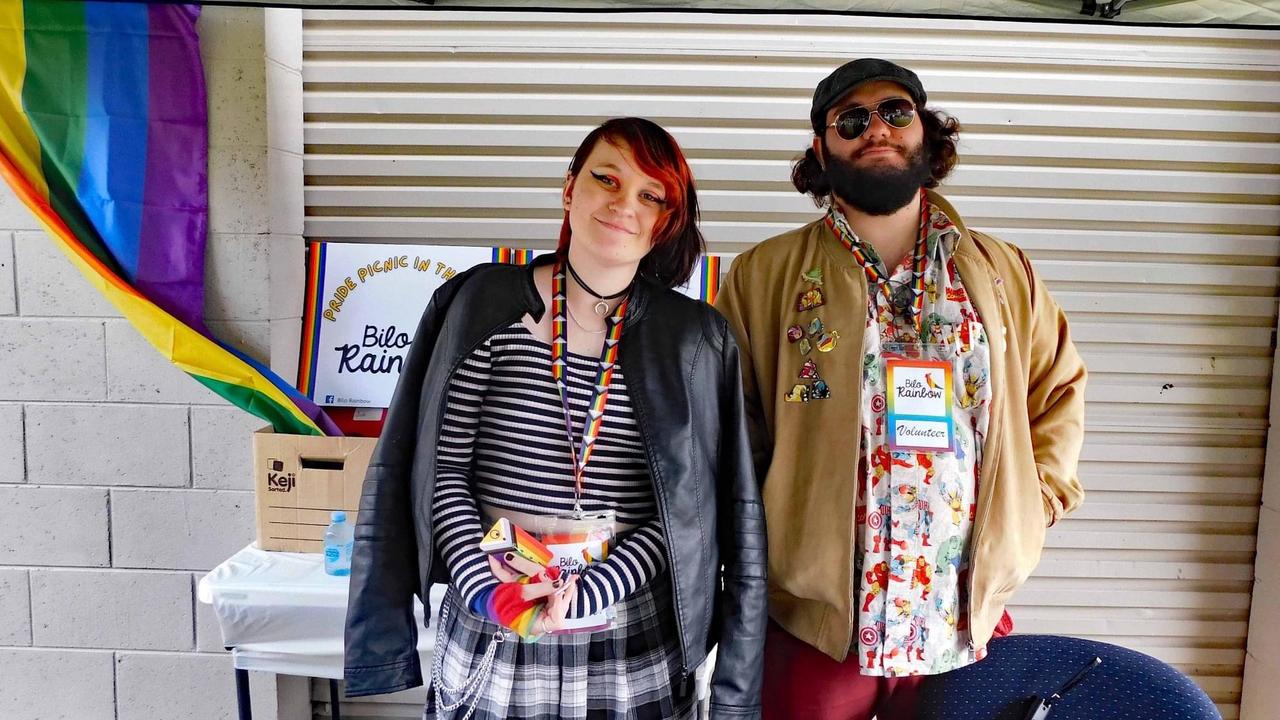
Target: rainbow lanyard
[604,376]
[878,278]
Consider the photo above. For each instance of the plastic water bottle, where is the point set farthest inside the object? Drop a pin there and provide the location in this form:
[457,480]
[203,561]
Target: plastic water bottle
[338,540]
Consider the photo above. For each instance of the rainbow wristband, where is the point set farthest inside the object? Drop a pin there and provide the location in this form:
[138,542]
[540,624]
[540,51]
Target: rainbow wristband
[506,606]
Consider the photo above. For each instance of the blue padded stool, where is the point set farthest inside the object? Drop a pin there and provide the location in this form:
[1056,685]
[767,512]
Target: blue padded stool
[1127,686]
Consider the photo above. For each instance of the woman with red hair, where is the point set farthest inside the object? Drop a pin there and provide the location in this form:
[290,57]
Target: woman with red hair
[582,389]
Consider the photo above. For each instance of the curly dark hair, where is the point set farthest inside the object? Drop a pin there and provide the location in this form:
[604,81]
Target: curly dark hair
[941,131]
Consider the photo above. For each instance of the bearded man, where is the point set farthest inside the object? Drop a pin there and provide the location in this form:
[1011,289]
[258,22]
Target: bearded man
[917,411]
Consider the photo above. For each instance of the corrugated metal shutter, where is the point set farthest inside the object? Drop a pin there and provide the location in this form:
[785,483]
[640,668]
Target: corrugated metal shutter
[1139,167]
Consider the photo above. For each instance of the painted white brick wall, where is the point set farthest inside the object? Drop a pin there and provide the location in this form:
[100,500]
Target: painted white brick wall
[52,359]
[239,262]
[49,285]
[12,451]
[80,443]
[14,215]
[123,479]
[179,529]
[8,287]
[284,335]
[111,609]
[178,686]
[57,684]
[15,607]
[239,173]
[54,526]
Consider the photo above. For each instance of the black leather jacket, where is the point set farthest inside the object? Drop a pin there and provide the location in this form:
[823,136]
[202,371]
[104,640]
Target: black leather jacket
[683,379]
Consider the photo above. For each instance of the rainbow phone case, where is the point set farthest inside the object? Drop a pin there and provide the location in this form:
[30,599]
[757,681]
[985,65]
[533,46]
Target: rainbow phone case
[505,536]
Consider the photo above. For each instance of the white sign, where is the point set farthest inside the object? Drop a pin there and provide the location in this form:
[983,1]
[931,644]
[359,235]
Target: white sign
[364,310]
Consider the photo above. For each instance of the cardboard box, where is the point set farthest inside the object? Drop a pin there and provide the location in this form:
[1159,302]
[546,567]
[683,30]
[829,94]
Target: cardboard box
[299,480]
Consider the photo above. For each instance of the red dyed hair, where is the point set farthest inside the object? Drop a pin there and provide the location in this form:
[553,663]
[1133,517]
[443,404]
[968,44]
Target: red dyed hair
[677,242]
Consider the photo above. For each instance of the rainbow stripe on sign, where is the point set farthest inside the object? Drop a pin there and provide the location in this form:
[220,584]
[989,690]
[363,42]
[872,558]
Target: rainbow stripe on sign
[311,316]
[709,278]
[104,137]
[512,256]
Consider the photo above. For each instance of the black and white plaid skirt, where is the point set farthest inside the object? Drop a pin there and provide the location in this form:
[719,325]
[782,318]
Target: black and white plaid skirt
[631,672]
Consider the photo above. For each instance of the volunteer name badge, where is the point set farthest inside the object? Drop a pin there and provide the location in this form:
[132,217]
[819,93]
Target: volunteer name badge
[919,408]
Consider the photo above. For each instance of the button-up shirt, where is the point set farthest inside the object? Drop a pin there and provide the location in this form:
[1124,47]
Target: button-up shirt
[915,510]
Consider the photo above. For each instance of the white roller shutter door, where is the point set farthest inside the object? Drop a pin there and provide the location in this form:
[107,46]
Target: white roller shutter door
[1139,167]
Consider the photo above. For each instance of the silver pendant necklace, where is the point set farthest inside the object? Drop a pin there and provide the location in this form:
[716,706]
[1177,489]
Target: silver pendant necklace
[602,306]
[577,322]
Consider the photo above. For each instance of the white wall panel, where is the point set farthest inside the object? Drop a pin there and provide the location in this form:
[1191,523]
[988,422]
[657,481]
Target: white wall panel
[1139,167]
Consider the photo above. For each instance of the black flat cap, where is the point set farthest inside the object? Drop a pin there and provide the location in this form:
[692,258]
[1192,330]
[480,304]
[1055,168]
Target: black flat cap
[854,73]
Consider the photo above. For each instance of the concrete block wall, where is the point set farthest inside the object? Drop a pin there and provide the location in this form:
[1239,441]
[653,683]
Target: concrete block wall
[122,479]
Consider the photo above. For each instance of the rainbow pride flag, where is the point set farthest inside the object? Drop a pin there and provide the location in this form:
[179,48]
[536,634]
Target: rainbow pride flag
[104,136]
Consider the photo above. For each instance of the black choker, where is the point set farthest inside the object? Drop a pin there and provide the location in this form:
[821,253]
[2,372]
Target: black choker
[601,307]
[578,279]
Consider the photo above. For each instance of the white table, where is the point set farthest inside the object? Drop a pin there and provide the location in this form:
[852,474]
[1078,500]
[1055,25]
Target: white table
[279,612]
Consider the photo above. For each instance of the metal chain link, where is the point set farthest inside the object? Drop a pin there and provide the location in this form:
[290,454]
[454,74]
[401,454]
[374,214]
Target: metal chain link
[469,692]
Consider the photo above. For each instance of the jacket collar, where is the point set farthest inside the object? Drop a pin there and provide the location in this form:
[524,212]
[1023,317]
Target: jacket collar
[641,293]
[965,244]
[532,300]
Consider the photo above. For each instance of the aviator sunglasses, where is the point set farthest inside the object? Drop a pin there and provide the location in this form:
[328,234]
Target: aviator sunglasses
[895,112]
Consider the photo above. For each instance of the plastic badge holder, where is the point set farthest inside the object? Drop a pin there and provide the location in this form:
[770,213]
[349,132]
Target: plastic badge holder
[944,357]
[576,542]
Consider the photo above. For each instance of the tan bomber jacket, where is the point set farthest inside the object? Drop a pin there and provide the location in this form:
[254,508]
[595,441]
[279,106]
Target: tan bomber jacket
[807,452]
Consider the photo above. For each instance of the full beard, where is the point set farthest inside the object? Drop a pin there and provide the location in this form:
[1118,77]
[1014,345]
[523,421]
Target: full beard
[877,190]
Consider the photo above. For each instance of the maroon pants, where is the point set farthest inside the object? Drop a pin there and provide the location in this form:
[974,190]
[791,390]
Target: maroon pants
[802,683]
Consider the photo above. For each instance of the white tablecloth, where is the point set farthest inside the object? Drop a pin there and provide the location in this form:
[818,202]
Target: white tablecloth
[281,613]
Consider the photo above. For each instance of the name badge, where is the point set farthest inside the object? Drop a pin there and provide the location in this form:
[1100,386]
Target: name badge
[918,414]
